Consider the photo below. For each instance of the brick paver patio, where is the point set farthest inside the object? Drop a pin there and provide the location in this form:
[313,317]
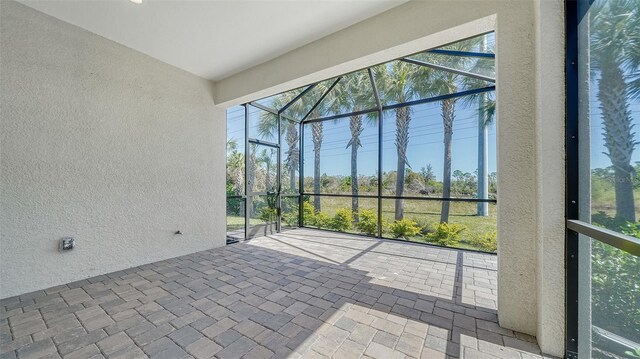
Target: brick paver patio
[302,293]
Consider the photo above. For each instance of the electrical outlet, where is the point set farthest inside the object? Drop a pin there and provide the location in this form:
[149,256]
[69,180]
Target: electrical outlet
[67,244]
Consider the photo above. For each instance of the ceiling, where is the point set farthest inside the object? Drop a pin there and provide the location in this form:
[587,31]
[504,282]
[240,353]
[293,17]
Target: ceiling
[209,38]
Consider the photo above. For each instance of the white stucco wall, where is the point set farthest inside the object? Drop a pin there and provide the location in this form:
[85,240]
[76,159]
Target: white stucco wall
[103,144]
[529,129]
[550,58]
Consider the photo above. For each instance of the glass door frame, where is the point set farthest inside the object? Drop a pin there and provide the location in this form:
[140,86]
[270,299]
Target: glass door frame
[572,20]
[579,233]
[278,184]
[249,194]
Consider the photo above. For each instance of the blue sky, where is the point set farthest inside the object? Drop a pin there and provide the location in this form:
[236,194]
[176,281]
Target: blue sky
[425,143]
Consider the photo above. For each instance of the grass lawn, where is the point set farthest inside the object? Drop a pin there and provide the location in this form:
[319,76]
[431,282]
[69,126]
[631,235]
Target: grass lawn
[237,222]
[603,199]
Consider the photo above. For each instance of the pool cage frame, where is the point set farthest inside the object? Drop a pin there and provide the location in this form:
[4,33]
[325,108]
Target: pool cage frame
[379,109]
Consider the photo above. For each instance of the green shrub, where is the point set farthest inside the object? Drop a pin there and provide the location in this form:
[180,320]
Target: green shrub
[368,222]
[487,242]
[268,214]
[633,354]
[308,214]
[234,206]
[404,228]
[385,225]
[321,220]
[290,211]
[342,220]
[604,220]
[290,218]
[615,290]
[615,281]
[426,227]
[446,234]
[631,229]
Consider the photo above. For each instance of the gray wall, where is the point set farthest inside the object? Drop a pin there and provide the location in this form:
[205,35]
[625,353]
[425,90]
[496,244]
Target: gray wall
[103,144]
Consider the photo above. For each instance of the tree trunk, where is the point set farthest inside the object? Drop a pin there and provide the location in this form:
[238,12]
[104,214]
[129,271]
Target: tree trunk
[293,162]
[448,114]
[618,137]
[251,173]
[251,178]
[356,130]
[354,182]
[403,118]
[267,180]
[483,155]
[625,210]
[317,145]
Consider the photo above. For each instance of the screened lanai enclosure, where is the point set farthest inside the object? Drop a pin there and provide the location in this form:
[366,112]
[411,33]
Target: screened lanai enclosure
[404,149]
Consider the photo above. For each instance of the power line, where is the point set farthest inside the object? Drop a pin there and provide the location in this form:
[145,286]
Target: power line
[387,140]
[393,148]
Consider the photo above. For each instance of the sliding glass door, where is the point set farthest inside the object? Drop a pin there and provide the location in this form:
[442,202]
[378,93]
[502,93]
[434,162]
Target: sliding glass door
[603,179]
[262,189]
[262,171]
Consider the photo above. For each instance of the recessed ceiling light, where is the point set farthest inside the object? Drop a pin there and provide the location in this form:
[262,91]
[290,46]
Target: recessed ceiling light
[136,1]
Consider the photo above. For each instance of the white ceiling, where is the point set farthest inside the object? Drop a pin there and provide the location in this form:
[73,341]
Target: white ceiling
[212,39]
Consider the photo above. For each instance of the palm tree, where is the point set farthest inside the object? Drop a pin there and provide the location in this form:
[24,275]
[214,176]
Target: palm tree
[317,137]
[317,134]
[615,54]
[356,128]
[251,167]
[443,82]
[486,111]
[399,82]
[351,95]
[292,159]
[268,128]
[403,118]
[266,158]
[235,168]
[232,145]
[448,108]
[235,172]
[483,150]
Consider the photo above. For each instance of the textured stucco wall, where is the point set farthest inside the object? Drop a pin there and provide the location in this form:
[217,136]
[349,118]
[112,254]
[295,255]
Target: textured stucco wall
[516,155]
[550,47]
[529,297]
[103,144]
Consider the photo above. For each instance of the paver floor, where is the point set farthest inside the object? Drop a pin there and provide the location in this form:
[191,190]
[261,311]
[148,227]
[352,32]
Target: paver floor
[298,294]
